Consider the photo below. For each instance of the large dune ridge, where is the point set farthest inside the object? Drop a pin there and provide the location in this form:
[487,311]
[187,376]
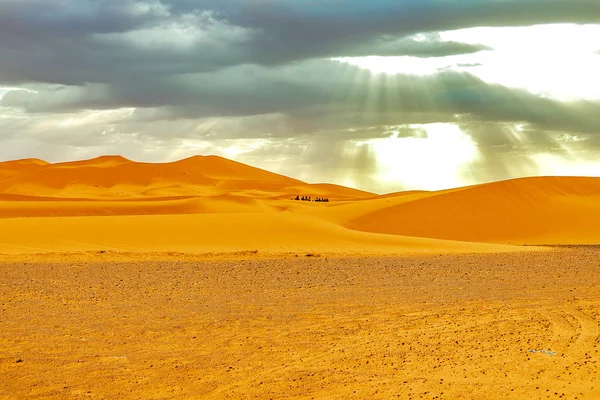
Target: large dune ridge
[209,203]
[535,210]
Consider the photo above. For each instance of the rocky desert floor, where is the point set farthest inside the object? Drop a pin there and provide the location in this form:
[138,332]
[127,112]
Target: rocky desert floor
[251,326]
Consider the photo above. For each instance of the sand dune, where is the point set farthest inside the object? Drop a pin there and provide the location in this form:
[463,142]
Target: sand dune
[102,161]
[117,177]
[280,232]
[211,203]
[8,169]
[24,163]
[156,206]
[540,210]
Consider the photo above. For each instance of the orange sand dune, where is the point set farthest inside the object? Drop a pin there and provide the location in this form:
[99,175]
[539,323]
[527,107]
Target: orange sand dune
[24,163]
[218,232]
[102,161]
[185,205]
[211,203]
[540,210]
[114,176]
[8,169]
[117,177]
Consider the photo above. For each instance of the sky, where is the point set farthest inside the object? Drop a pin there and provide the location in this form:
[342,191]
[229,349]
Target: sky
[381,95]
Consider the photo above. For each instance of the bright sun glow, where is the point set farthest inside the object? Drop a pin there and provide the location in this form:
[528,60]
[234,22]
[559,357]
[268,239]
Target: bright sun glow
[431,162]
[557,165]
[557,61]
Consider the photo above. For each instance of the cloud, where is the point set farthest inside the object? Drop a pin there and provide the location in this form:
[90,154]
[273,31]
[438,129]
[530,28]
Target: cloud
[77,48]
[298,30]
[163,79]
[21,20]
[317,92]
[86,41]
[422,45]
[324,150]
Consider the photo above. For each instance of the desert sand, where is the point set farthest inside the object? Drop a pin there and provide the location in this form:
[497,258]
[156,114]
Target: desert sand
[202,278]
[521,325]
[204,204]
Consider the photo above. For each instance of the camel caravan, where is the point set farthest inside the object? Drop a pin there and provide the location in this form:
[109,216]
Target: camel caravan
[307,198]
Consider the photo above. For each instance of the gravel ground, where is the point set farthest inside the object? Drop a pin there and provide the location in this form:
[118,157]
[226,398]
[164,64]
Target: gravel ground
[519,325]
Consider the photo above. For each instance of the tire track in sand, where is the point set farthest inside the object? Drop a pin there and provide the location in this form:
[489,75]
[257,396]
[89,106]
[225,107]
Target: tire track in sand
[574,331]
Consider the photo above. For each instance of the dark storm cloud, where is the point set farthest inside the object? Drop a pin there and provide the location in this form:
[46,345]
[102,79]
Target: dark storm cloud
[111,41]
[316,92]
[304,29]
[21,20]
[108,42]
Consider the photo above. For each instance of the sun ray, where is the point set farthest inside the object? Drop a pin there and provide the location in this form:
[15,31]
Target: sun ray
[431,162]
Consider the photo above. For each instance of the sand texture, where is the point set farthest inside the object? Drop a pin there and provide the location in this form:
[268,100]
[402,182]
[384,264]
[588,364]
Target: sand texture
[208,204]
[202,278]
[502,326]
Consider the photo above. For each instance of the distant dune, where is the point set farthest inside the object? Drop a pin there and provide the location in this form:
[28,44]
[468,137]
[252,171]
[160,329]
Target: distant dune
[538,210]
[115,177]
[8,169]
[209,203]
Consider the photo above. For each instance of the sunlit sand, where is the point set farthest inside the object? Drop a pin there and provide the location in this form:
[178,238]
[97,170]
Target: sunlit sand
[203,278]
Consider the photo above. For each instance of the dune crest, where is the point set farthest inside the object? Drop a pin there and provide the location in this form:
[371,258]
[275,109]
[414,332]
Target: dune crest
[117,177]
[12,168]
[22,162]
